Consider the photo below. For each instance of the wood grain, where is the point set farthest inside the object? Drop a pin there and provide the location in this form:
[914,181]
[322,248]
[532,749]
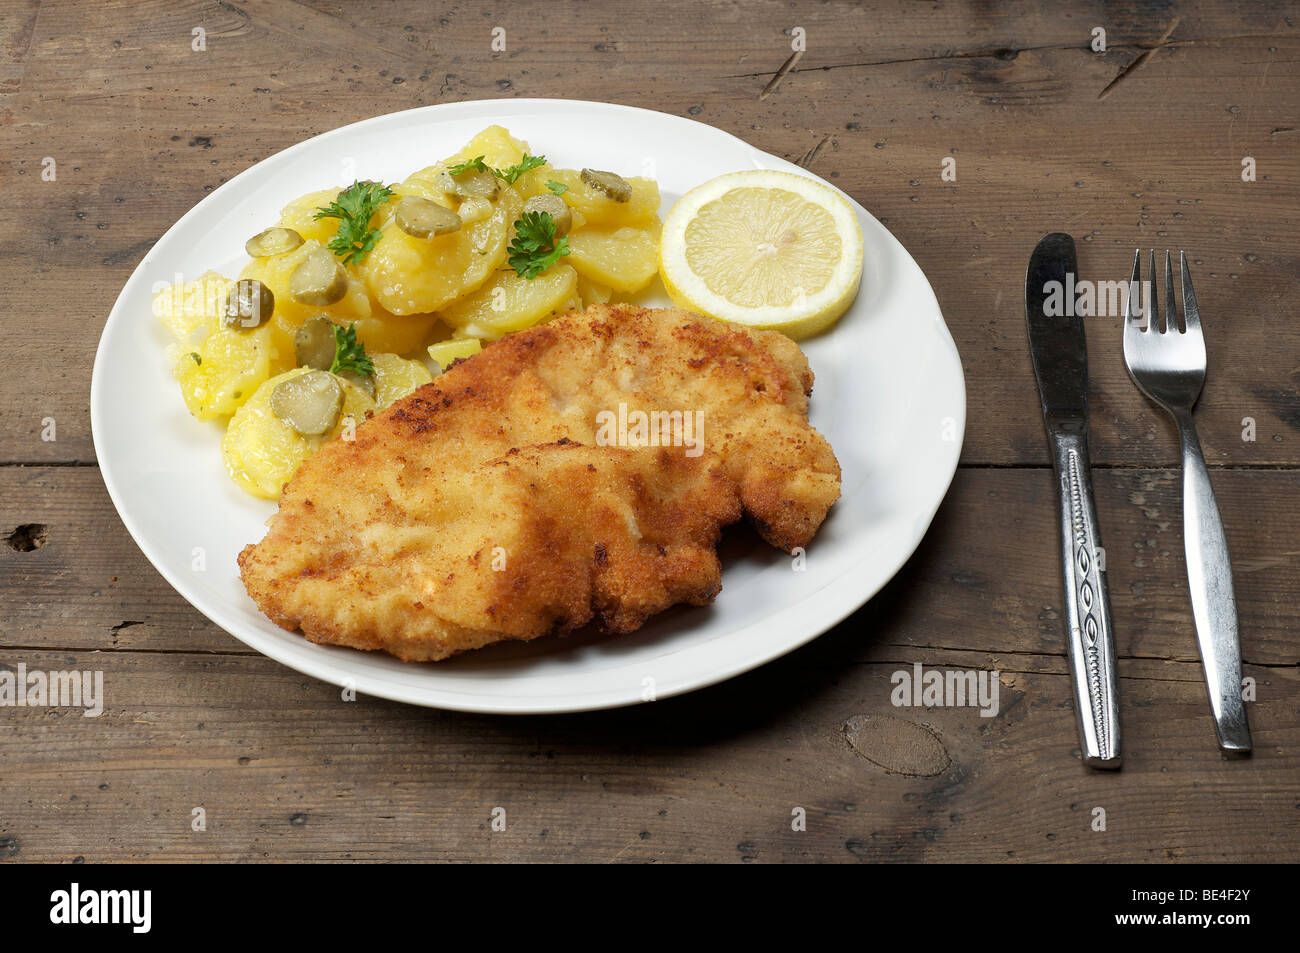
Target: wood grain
[1140,145]
[285,770]
[195,719]
[1011,94]
[986,576]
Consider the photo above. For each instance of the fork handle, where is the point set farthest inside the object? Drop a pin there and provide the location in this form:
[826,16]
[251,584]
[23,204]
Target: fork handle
[1089,630]
[1214,605]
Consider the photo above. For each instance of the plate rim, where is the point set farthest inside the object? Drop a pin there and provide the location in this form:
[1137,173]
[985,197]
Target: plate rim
[829,612]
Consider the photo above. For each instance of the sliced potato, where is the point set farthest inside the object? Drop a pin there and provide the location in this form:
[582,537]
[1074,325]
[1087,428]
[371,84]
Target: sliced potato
[533,182]
[625,259]
[276,273]
[380,331]
[395,377]
[191,310]
[445,352]
[499,149]
[474,210]
[394,333]
[422,184]
[409,275]
[227,366]
[299,215]
[509,303]
[263,452]
[356,405]
[424,279]
[571,303]
[592,292]
[640,210]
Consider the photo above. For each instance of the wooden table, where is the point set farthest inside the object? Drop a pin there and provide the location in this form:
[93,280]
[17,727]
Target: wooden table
[1140,144]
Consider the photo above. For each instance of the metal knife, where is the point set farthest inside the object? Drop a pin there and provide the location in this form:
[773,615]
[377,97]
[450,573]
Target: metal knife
[1060,355]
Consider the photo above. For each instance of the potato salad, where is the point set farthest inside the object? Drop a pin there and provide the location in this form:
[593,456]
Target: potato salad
[358,295]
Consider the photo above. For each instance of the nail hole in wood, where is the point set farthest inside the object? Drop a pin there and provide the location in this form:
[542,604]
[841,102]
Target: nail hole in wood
[27,537]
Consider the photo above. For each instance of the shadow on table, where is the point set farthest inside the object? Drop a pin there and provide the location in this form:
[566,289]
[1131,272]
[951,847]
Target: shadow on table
[746,703]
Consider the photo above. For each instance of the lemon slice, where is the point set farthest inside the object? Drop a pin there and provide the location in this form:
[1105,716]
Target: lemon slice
[765,249]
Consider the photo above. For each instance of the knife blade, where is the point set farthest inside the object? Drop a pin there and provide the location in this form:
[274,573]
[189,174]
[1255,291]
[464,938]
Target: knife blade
[1059,352]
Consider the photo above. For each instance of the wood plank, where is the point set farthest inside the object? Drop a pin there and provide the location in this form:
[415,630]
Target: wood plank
[880,97]
[1141,144]
[285,770]
[985,578]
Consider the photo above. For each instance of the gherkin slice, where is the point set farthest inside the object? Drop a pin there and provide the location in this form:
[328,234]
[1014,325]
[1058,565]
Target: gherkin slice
[272,241]
[309,403]
[553,206]
[249,305]
[320,280]
[610,184]
[423,218]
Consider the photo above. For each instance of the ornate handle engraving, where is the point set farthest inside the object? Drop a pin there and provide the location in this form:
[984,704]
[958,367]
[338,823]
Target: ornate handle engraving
[1088,585]
[1091,645]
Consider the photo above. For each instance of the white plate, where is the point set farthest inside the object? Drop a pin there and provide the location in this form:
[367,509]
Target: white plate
[889,396]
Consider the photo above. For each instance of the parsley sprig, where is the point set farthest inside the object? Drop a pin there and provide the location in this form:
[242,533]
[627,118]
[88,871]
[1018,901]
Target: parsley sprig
[476,163]
[510,174]
[534,247]
[349,353]
[527,164]
[354,208]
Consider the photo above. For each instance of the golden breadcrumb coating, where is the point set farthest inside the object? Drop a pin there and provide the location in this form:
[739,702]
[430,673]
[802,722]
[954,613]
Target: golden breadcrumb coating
[491,504]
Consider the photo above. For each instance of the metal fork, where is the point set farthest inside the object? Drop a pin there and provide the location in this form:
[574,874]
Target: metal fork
[1168,365]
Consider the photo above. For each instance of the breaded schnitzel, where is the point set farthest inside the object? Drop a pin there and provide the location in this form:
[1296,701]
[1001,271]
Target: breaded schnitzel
[519,493]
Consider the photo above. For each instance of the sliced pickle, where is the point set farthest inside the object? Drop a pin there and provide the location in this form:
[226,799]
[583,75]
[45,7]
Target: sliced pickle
[553,206]
[272,241]
[608,183]
[249,304]
[313,344]
[320,280]
[423,218]
[470,184]
[309,403]
[365,381]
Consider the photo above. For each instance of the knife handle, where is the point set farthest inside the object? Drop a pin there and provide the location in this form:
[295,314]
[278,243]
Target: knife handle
[1089,630]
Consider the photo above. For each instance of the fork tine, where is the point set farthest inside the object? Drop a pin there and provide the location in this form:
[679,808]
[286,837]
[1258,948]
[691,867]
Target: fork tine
[1171,308]
[1191,315]
[1153,317]
[1132,305]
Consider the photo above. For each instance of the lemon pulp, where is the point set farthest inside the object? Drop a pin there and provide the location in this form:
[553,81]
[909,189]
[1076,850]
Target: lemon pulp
[766,249]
